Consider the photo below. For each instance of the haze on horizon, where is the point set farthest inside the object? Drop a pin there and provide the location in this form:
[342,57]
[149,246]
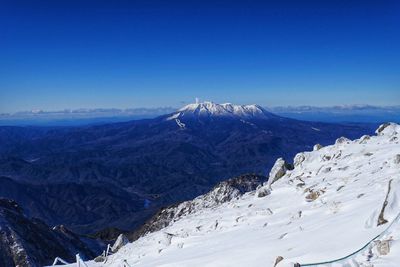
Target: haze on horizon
[125,54]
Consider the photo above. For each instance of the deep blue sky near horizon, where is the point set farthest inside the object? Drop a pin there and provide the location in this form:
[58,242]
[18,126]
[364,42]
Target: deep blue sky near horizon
[88,54]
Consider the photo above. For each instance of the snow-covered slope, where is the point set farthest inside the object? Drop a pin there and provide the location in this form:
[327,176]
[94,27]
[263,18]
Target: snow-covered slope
[223,192]
[210,109]
[331,205]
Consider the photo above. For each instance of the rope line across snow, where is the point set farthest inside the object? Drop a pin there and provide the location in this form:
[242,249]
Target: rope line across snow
[357,251]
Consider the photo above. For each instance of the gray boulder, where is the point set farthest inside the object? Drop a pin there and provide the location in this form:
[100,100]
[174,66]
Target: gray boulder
[278,170]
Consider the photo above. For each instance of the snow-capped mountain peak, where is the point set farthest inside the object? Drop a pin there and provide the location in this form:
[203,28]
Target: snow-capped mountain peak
[211,109]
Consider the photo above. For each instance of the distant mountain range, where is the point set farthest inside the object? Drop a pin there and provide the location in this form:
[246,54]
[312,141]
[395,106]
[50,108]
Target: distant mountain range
[345,113]
[76,117]
[119,174]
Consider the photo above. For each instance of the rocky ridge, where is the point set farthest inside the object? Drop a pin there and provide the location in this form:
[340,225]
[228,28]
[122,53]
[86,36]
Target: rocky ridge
[28,242]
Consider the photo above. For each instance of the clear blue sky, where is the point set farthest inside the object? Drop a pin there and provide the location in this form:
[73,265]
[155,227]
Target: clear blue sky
[71,54]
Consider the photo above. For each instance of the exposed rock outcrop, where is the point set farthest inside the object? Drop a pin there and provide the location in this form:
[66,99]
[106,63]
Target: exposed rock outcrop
[278,260]
[383,247]
[396,159]
[381,218]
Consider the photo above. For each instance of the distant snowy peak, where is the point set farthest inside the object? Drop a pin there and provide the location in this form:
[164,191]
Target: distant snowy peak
[211,109]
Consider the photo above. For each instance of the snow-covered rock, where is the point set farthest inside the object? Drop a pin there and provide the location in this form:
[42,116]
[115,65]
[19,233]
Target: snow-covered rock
[340,203]
[342,140]
[263,191]
[364,139]
[388,129]
[278,170]
[317,147]
[299,158]
[121,241]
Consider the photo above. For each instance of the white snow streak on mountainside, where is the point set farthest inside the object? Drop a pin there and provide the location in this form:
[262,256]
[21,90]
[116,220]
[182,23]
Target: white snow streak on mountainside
[327,207]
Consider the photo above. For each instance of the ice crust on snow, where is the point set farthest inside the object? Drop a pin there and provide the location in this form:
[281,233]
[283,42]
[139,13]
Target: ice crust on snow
[326,208]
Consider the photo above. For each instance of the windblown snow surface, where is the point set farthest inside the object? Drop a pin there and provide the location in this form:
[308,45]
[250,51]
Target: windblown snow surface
[333,203]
